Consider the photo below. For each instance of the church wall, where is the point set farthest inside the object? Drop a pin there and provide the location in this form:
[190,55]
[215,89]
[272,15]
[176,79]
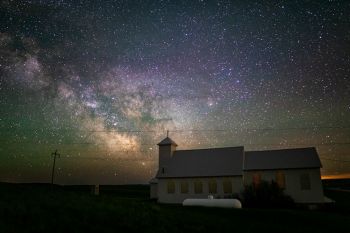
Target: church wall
[178,197]
[294,180]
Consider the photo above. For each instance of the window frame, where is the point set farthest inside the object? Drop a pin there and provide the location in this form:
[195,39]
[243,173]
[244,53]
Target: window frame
[212,186]
[225,184]
[171,187]
[256,179]
[280,177]
[198,187]
[184,187]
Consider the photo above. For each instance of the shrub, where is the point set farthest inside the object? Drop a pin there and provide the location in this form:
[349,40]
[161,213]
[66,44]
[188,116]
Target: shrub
[266,195]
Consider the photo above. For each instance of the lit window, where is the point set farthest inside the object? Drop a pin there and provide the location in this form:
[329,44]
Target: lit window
[212,186]
[305,183]
[256,179]
[280,179]
[227,186]
[198,187]
[184,187]
[171,186]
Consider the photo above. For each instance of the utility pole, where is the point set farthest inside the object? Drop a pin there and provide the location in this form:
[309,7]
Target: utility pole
[54,155]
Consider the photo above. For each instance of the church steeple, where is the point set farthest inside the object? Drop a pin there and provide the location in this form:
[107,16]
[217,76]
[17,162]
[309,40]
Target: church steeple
[167,147]
[167,141]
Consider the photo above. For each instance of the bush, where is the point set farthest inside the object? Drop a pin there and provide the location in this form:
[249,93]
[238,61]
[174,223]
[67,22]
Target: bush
[266,195]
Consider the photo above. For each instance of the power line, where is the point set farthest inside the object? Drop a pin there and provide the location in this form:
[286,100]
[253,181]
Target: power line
[337,160]
[111,158]
[76,143]
[313,144]
[151,144]
[79,130]
[259,129]
[183,130]
[299,144]
[93,158]
[143,160]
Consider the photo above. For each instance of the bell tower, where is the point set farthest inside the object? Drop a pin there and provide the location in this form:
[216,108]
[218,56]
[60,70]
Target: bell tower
[167,147]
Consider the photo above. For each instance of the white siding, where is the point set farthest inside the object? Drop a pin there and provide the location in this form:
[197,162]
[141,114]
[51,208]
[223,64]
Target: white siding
[178,197]
[293,186]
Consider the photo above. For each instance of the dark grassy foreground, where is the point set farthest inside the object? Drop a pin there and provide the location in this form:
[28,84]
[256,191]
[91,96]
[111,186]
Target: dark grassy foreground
[35,208]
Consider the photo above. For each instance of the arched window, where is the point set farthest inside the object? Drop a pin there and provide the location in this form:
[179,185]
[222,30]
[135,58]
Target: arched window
[281,179]
[227,185]
[213,188]
[171,186]
[198,187]
[184,187]
[256,179]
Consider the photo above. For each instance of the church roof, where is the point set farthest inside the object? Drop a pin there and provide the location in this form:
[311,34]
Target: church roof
[167,141]
[281,159]
[204,163]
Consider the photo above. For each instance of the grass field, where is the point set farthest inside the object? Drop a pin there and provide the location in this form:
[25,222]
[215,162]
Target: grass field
[37,208]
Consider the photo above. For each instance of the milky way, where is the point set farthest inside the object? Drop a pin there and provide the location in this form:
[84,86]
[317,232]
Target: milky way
[102,82]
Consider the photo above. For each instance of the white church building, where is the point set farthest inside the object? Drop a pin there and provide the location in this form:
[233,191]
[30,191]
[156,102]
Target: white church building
[223,172]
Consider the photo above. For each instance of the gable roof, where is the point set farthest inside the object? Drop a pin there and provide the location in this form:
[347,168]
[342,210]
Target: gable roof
[205,163]
[281,159]
[167,141]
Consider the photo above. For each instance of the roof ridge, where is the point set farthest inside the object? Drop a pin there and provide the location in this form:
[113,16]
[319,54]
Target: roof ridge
[298,148]
[212,148]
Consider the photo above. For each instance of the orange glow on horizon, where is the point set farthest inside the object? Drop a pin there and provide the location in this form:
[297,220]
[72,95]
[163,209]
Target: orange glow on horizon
[338,176]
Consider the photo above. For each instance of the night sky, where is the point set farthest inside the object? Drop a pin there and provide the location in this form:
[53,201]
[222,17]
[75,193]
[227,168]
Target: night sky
[102,82]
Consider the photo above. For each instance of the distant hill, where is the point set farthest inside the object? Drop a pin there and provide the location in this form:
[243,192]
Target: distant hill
[336,184]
